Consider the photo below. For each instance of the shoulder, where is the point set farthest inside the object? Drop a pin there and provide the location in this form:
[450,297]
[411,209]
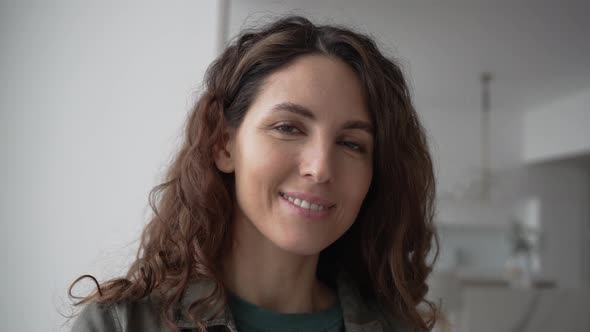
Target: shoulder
[97,317]
[142,315]
[145,315]
[388,322]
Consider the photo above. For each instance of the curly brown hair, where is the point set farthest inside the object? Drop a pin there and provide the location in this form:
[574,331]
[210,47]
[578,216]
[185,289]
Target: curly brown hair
[387,248]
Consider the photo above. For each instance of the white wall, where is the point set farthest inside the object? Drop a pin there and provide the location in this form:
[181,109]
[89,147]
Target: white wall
[564,192]
[92,99]
[556,142]
[558,129]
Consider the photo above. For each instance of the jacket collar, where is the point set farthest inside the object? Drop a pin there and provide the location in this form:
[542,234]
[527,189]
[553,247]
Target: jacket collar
[358,315]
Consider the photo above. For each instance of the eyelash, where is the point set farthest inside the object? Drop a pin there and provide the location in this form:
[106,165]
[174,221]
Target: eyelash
[287,132]
[351,145]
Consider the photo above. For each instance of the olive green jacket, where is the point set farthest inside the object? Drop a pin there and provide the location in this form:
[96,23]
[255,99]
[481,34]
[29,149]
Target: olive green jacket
[144,315]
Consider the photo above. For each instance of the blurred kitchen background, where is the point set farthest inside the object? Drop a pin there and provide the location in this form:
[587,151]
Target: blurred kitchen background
[93,96]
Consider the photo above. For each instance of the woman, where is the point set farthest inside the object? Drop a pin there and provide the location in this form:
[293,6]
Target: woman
[301,199]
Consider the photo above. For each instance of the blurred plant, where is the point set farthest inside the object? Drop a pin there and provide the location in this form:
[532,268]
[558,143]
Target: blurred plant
[523,238]
[524,260]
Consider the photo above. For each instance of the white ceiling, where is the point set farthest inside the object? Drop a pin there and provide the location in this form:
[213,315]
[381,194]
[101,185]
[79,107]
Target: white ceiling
[537,50]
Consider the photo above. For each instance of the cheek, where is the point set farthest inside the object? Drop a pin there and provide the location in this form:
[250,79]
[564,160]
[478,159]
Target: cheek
[357,178]
[365,180]
[264,157]
[356,184]
[261,165]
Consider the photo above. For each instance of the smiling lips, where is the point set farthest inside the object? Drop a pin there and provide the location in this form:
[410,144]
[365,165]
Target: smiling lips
[303,203]
[319,211]
[313,205]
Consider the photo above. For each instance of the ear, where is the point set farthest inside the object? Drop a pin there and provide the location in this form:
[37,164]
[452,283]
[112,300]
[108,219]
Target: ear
[223,153]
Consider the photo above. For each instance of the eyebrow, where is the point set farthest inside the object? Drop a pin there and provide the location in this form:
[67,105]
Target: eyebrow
[307,113]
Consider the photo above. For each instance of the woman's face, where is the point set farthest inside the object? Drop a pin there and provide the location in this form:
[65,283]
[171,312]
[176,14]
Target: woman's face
[303,155]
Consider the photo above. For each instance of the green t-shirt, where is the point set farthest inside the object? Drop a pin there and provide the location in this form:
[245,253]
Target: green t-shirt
[251,318]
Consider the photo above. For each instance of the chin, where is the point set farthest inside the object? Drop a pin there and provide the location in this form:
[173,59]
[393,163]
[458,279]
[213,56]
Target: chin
[303,247]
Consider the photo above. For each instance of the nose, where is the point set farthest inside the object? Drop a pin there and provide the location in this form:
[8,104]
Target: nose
[316,162]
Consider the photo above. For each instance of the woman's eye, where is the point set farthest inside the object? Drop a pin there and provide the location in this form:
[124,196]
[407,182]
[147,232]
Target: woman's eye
[287,129]
[352,146]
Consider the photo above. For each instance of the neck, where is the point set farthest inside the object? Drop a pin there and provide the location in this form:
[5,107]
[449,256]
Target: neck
[258,271]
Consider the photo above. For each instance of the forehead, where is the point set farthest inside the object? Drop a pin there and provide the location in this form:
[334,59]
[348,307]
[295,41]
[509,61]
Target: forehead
[325,85]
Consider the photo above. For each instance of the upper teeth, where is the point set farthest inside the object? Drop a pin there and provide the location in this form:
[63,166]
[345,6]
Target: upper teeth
[304,204]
